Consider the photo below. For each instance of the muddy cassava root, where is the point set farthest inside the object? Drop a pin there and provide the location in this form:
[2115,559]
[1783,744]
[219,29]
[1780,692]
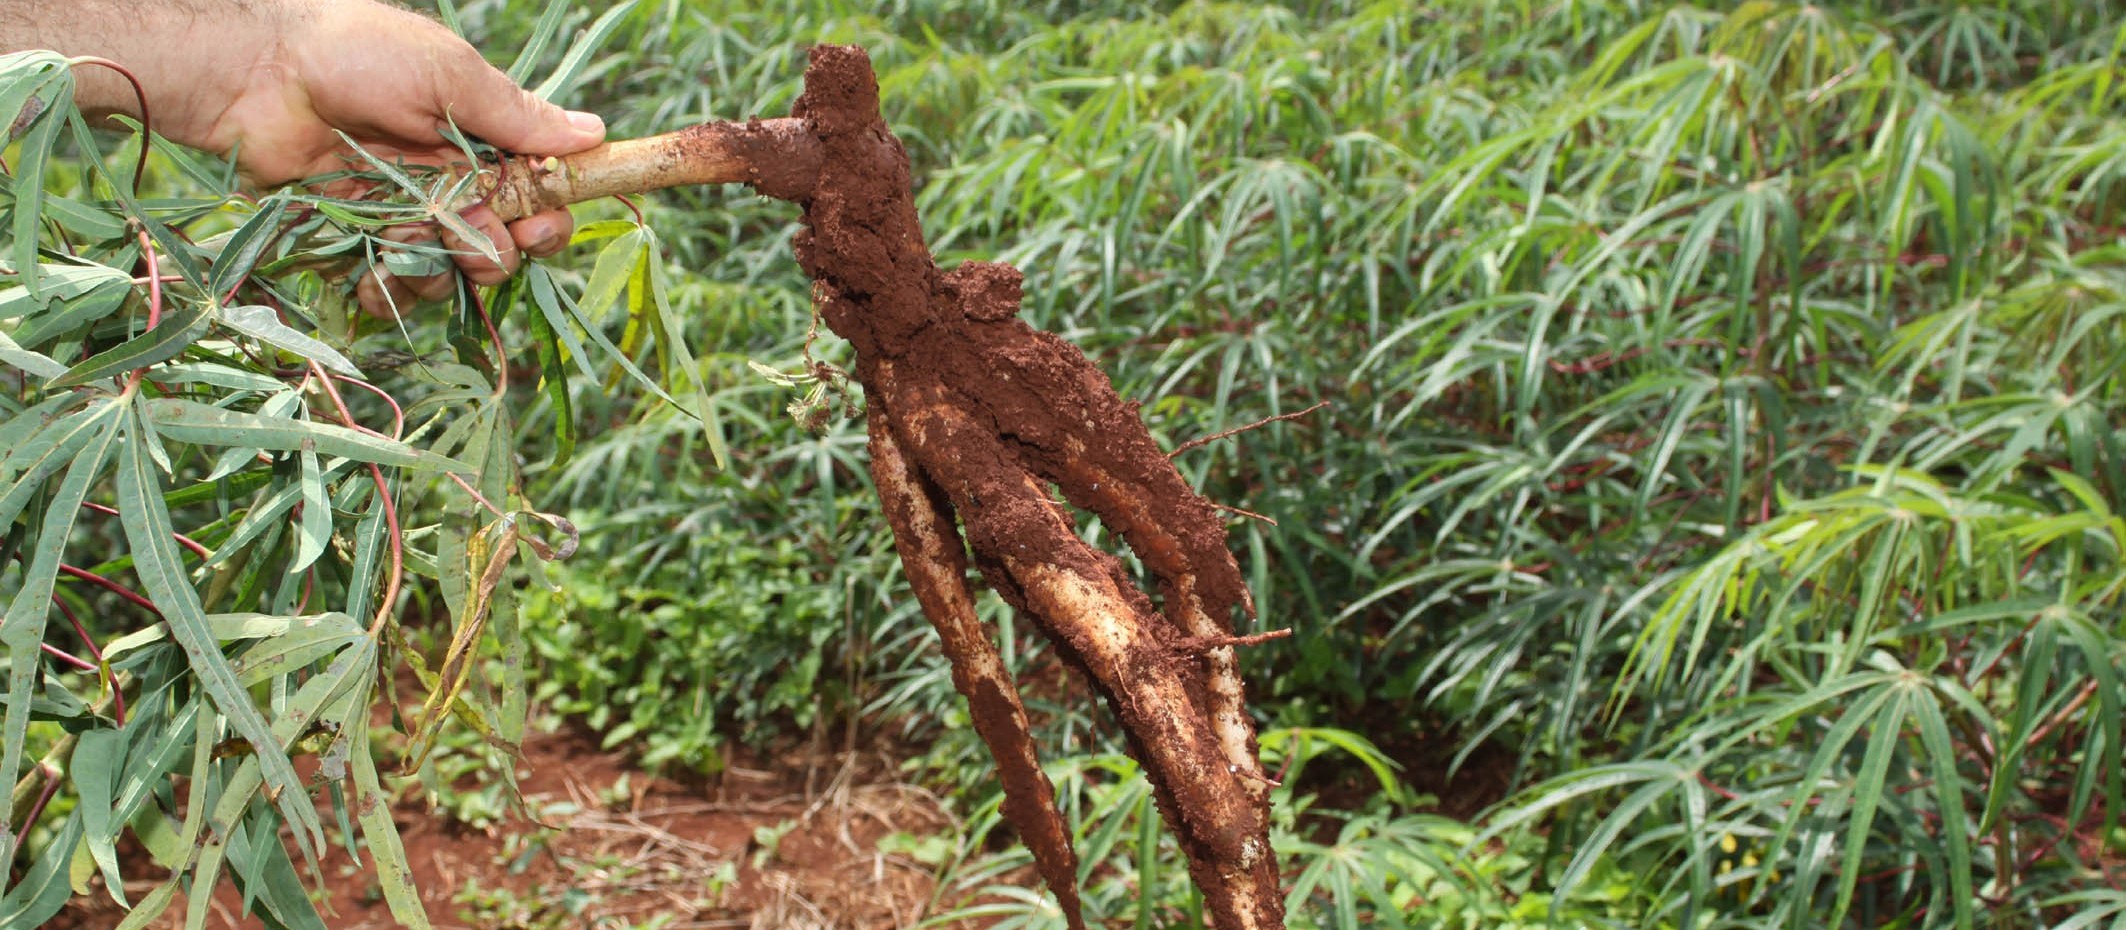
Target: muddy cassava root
[974,416]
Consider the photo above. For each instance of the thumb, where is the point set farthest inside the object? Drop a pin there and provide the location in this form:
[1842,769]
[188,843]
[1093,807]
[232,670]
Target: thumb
[486,103]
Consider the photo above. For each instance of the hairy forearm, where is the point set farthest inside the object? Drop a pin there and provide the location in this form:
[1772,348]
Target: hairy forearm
[184,52]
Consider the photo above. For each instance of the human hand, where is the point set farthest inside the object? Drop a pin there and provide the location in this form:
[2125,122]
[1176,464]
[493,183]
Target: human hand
[390,79]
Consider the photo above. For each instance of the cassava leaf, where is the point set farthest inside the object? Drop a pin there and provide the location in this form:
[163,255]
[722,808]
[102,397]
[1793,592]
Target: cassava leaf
[175,332]
[161,747]
[60,283]
[64,315]
[270,875]
[241,253]
[23,627]
[373,812]
[234,460]
[650,280]
[238,627]
[84,220]
[189,421]
[235,379]
[553,380]
[26,422]
[44,888]
[177,852]
[262,324]
[32,363]
[47,451]
[610,275]
[161,570]
[315,530]
[49,81]
[99,758]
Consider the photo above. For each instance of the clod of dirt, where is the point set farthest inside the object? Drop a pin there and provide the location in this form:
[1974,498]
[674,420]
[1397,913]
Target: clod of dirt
[976,415]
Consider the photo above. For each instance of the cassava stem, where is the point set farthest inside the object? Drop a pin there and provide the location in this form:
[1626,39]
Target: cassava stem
[778,157]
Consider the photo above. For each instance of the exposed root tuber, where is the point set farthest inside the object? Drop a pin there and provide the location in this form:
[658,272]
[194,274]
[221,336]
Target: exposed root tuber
[975,415]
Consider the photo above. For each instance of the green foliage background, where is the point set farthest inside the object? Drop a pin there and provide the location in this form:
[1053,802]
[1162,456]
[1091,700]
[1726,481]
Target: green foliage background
[1723,432]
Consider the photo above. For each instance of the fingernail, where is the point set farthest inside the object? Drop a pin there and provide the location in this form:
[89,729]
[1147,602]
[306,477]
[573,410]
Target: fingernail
[586,122]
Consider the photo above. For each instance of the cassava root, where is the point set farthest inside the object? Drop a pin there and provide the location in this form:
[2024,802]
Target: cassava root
[974,416]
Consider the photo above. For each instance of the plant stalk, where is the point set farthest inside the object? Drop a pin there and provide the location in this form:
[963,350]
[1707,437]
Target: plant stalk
[778,157]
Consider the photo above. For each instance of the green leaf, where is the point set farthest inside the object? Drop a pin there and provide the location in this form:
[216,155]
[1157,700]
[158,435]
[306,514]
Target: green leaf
[31,157]
[548,298]
[369,551]
[649,279]
[602,229]
[1948,792]
[280,634]
[44,889]
[49,450]
[235,379]
[179,852]
[30,362]
[150,907]
[270,875]
[553,380]
[281,405]
[542,35]
[563,80]
[59,283]
[89,222]
[315,531]
[610,275]
[561,309]
[99,758]
[23,75]
[373,812]
[26,422]
[264,516]
[161,745]
[241,253]
[187,421]
[285,655]
[262,324]
[250,848]
[63,315]
[23,627]
[177,330]
[391,170]
[161,570]
[1867,788]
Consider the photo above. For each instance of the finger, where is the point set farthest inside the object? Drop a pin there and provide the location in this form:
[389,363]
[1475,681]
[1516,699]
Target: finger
[434,286]
[424,287]
[543,234]
[477,267]
[382,294]
[485,102]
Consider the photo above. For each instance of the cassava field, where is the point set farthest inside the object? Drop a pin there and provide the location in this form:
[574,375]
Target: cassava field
[1684,451]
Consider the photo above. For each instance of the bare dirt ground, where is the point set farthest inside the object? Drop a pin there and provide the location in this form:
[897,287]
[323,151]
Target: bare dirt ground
[793,844]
